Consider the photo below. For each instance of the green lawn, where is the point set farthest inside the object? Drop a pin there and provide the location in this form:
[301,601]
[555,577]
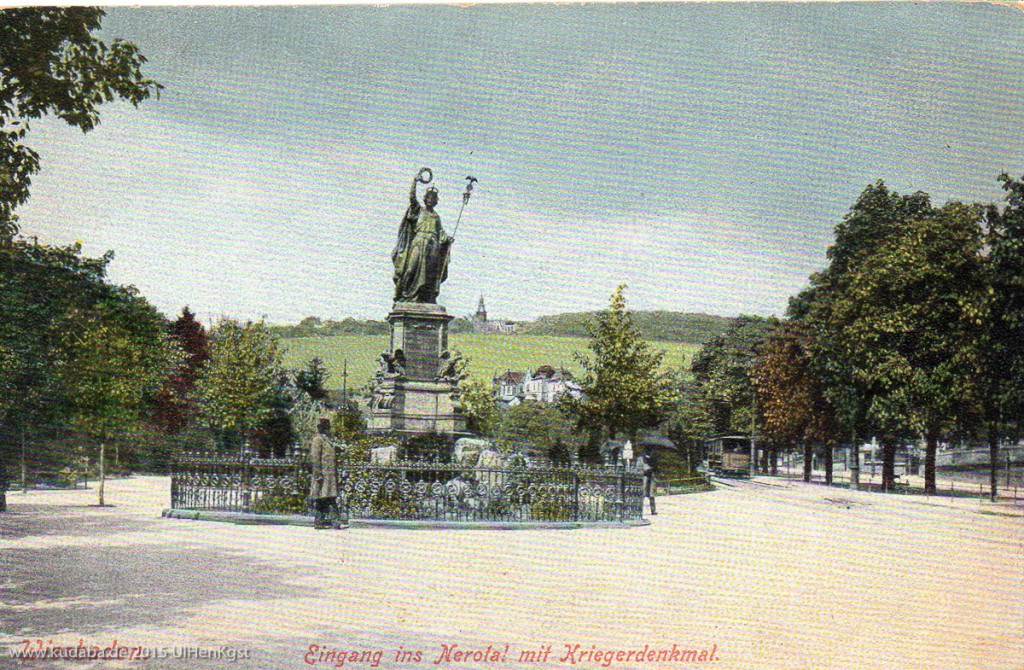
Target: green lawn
[487,354]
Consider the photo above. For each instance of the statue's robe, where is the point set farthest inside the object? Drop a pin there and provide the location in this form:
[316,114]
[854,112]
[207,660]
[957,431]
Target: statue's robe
[420,256]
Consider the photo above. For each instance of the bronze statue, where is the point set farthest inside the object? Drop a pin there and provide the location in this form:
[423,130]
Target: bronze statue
[421,254]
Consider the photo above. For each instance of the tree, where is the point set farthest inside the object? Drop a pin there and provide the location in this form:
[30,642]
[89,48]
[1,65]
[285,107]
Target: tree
[791,397]
[1000,342]
[690,423]
[590,451]
[348,422]
[533,428]
[311,379]
[478,404]
[624,387]
[940,281]
[52,64]
[51,296]
[42,287]
[274,434]
[828,308]
[889,323]
[239,386]
[116,361]
[305,415]
[176,403]
[722,370]
[559,454]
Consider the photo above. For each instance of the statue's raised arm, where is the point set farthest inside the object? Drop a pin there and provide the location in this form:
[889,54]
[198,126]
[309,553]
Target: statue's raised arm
[424,176]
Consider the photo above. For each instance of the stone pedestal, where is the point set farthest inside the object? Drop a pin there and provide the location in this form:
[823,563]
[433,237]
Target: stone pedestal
[413,395]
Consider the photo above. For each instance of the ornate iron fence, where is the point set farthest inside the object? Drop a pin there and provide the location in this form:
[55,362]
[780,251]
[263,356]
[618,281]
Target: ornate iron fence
[412,490]
[453,492]
[239,483]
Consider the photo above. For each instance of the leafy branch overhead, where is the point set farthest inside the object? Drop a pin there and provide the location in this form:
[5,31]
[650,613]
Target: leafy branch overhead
[52,64]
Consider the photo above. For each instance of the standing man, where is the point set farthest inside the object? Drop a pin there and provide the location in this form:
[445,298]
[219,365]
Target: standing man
[3,486]
[324,489]
[648,470]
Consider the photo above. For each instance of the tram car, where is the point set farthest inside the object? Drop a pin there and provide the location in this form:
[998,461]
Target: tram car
[729,455]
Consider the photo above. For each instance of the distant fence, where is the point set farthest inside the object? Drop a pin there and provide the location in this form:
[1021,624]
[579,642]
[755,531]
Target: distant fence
[906,484]
[63,478]
[692,484]
[979,457]
[419,491]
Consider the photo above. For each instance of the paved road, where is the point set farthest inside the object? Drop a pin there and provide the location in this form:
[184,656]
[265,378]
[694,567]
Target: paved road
[763,574]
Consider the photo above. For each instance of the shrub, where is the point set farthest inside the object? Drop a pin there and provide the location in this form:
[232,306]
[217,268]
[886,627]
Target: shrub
[545,508]
[278,501]
[431,447]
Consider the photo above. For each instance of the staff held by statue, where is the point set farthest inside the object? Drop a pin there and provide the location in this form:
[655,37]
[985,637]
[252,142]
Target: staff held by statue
[470,181]
[465,199]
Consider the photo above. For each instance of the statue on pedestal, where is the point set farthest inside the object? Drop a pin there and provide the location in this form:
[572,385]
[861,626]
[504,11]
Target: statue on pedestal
[417,378]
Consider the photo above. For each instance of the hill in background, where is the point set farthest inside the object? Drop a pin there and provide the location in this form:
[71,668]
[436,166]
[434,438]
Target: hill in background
[313,326]
[657,325]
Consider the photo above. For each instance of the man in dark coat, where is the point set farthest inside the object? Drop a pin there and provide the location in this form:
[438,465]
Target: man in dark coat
[324,488]
[3,487]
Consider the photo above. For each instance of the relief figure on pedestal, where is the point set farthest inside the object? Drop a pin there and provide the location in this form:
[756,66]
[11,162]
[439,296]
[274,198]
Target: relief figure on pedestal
[451,368]
[390,366]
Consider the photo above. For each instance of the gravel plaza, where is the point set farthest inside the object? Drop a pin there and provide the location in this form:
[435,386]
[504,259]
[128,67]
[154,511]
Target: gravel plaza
[761,574]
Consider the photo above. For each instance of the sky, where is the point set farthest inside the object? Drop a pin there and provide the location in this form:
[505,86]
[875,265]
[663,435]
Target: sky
[700,153]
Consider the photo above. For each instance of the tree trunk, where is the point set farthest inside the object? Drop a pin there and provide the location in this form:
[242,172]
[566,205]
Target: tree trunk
[855,465]
[931,445]
[993,454]
[102,472]
[808,461]
[24,469]
[888,466]
[775,459]
[828,464]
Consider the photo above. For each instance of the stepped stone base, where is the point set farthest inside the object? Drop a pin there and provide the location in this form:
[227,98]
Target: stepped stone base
[412,395]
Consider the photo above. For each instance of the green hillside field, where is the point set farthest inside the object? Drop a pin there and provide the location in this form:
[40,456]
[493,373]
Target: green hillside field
[487,353]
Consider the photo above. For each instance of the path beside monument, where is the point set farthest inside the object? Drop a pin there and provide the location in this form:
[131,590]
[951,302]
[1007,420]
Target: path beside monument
[754,572]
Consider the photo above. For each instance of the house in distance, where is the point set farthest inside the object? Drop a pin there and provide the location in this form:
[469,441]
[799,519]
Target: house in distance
[545,384]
